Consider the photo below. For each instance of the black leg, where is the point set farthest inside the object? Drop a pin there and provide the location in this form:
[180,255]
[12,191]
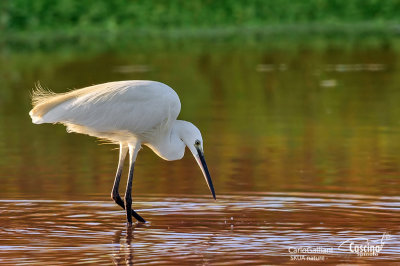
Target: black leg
[128,194]
[115,194]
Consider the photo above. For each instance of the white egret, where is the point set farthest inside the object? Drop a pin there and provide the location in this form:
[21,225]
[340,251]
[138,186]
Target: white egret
[128,113]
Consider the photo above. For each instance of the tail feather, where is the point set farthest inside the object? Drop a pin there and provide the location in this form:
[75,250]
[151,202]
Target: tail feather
[39,94]
[43,100]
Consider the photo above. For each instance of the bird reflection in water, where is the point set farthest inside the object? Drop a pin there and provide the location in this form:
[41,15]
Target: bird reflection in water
[123,251]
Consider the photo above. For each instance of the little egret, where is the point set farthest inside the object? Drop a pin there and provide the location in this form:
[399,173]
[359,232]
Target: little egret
[128,113]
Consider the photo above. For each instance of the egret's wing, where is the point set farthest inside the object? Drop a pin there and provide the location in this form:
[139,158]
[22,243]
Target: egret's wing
[138,107]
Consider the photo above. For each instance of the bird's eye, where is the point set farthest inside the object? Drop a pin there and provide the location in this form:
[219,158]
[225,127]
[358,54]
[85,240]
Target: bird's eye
[197,142]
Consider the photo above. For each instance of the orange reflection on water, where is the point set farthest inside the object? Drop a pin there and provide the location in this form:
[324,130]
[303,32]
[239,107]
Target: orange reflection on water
[256,229]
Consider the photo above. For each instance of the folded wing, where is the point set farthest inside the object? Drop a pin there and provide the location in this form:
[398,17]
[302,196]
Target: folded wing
[136,108]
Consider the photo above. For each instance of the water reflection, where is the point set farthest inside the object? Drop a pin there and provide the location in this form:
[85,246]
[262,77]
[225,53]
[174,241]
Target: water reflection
[302,144]
[256,229]
[298,120]
[123,253]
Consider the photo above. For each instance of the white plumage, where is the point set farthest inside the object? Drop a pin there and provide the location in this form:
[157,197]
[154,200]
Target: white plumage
[142,108]
[130,113]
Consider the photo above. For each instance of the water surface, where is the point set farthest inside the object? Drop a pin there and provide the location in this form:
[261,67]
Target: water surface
[302,144]
[256,229]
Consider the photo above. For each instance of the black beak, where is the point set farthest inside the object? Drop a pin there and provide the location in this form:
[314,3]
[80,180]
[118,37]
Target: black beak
[204,169]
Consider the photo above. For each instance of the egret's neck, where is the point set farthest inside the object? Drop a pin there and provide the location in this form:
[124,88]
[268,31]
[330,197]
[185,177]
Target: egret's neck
[169,145]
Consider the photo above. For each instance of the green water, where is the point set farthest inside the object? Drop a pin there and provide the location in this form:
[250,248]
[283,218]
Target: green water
[272,120]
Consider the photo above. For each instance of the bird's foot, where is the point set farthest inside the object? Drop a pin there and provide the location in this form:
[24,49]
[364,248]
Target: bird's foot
[138,217]
[119,201]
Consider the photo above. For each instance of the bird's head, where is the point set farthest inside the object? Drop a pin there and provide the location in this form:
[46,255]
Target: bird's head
[191,136]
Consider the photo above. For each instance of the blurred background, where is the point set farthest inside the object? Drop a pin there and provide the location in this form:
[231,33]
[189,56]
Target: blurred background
[297,101]
[290,95]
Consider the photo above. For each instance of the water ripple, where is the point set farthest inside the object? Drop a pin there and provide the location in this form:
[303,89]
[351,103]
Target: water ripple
[235,229]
